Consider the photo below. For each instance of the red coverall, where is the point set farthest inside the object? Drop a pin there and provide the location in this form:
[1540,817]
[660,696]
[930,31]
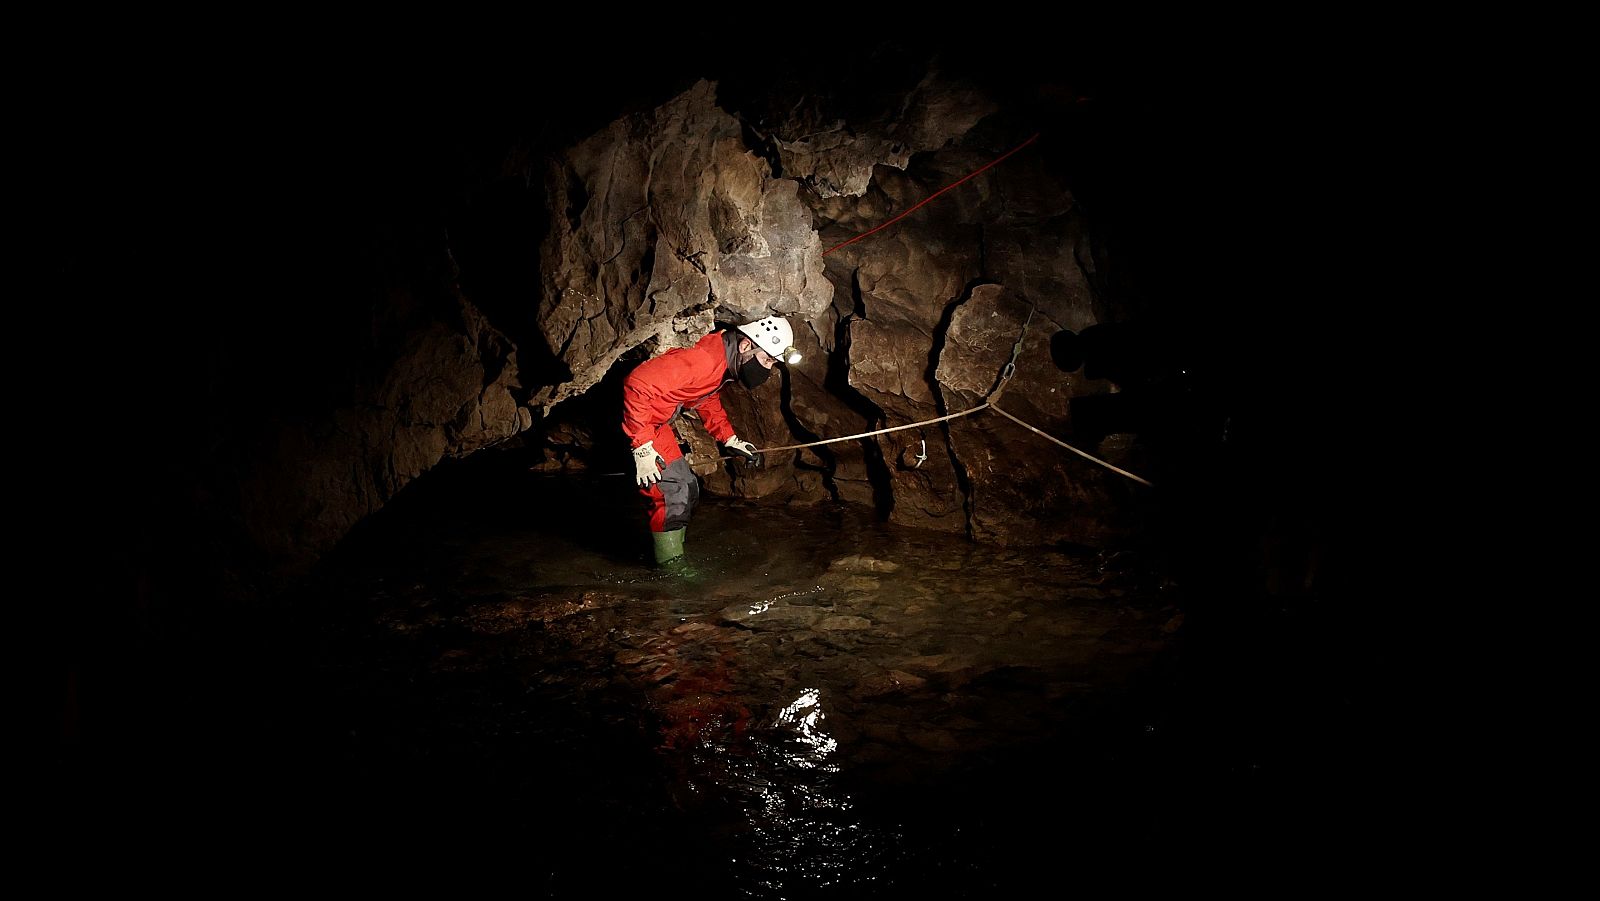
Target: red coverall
[654,393]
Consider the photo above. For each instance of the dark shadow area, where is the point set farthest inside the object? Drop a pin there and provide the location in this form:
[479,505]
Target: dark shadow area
[837,381]
[1246,516]
[490,491]
[829,460]
[595,417]
[1161,389]
[582,440]
[855,81]
[495,240]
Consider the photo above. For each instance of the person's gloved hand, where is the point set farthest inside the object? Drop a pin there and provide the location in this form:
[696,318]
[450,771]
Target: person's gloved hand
[646,465]
[744,449]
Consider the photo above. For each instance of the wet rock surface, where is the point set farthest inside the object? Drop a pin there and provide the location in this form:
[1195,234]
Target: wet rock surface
[817,705]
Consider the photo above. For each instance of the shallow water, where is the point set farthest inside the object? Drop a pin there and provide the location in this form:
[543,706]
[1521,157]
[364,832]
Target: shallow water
[819,705]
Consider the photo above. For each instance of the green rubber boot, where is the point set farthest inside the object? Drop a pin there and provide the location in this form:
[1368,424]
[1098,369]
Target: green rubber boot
[669,545]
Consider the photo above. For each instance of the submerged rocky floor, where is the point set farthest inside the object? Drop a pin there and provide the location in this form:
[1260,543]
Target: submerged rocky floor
[817,705]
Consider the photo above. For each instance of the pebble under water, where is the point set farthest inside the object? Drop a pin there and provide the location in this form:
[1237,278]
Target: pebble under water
[490,677]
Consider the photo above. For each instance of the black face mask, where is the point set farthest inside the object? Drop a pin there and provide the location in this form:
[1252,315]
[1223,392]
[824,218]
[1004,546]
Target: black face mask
[752,373]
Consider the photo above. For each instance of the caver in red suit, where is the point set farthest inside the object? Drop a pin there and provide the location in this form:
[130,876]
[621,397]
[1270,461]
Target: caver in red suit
[690,378]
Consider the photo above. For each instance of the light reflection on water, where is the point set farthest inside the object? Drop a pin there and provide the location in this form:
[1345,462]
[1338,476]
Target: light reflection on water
[801,834]
[829,697]
[806,716]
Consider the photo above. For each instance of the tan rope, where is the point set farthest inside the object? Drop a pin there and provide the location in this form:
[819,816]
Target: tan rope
[868,434]
[1006,373]
[1068,446]
[986,405]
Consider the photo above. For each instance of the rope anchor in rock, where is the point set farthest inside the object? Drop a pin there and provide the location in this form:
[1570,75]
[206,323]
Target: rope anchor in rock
[921,456]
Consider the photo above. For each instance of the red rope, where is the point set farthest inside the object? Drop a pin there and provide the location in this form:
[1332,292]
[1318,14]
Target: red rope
[931,196]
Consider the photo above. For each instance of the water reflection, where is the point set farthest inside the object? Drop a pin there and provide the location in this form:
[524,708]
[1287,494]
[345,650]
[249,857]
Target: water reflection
[887,688]
[805,714]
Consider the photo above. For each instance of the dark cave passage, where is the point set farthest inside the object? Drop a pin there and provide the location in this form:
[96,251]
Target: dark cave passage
[350,586]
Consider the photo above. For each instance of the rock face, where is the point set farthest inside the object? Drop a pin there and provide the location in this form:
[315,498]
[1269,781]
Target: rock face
[448,390]
[670,220]
[837,157]
[661,224]
[1019,485]
[722,203]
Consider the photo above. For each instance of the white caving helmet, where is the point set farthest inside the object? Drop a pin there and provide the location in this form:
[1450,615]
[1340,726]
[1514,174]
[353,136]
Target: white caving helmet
[774,336]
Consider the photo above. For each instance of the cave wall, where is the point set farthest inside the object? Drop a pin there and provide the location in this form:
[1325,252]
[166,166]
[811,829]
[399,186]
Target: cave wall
[393,290]
[906,325]
[271,299]
[660,223]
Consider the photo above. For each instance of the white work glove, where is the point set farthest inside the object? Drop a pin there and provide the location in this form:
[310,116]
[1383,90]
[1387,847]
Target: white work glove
[646,465]
[744,449]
